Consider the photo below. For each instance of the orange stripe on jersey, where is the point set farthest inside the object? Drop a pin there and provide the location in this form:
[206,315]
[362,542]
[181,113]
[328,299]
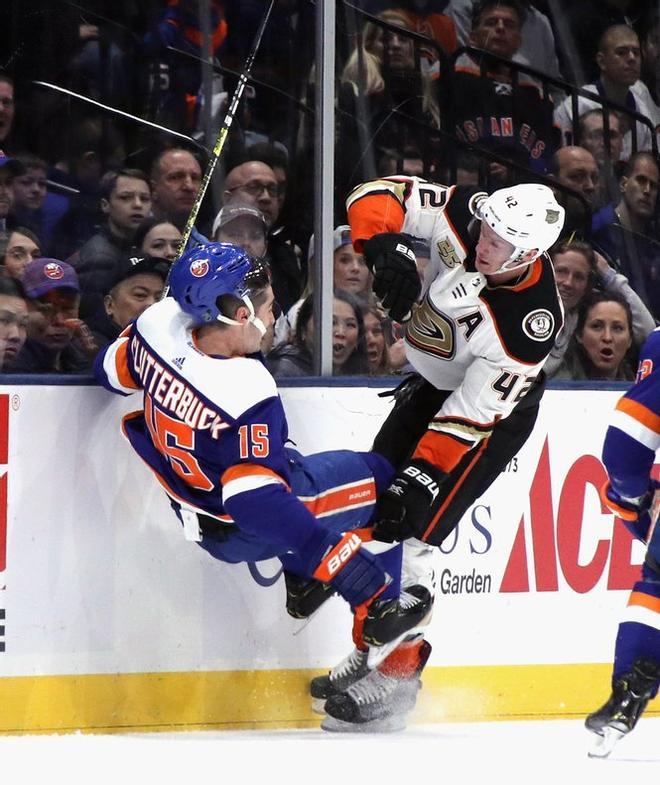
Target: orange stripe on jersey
[121,366]
[532,277]
[641,413]
[373,214]
[641,600]
[241,470]
[340,498]
[441,450]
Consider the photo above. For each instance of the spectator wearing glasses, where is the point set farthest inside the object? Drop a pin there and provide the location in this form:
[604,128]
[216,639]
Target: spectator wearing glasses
[254,183]
[22,247]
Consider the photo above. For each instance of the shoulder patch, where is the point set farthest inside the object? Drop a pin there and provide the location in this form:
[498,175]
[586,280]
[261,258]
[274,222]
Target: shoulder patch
[539,324]
[527,320]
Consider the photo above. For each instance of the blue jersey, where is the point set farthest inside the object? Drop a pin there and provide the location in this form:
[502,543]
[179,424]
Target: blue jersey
[206,421]
[633,436]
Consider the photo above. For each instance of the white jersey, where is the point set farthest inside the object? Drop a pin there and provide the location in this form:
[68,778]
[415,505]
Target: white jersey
[486,344]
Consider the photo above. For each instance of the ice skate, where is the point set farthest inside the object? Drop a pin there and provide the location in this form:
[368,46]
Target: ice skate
[619,715]
[381,700]
[304,596]
[387,620]
[349,671]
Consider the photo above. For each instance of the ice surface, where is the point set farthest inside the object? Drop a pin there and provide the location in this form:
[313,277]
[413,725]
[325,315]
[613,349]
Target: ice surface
[452,754]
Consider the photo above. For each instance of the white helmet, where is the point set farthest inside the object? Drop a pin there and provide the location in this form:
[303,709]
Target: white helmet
[527,215]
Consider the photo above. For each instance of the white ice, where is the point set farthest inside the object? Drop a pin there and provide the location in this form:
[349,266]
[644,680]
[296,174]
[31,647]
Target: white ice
[510,753]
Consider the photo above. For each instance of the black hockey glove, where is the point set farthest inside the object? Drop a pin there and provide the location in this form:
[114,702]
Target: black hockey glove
[404,509]
[392,261]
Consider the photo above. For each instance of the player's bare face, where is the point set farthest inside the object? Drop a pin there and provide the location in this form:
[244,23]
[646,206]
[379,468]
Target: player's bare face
[606,337]
[266,313]
[572,276]
[345,332]
[492,251]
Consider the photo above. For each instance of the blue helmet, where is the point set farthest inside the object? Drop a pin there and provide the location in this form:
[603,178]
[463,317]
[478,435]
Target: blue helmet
[206,272]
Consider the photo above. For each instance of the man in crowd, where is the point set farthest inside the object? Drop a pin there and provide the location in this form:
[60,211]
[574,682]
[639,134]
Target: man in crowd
[513,120]
[255,183]
[6,108]
[13,320]
[627,230]
[619,63]
[34,206]
[575,168]
[242,225]
[606,151]
[9,169]
[125,202]
[138,283]
[175,179]
[58,342]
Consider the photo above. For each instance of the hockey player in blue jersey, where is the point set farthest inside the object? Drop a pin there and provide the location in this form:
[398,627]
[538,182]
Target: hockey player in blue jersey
[631,442]
[213,431]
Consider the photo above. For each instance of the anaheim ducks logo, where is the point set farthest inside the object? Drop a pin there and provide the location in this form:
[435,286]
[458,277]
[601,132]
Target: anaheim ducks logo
[53,271]
[431,332]
[538,325]
[199,268]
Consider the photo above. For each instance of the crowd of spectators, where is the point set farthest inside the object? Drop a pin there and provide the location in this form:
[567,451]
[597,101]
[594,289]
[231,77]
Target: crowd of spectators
[94,197]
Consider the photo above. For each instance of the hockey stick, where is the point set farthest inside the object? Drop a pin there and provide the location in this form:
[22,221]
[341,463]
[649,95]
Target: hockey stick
[222,134]
[120,113]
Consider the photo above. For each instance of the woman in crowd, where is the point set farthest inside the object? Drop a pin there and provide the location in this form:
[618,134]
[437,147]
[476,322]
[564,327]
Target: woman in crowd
[349,355]
[579,270]
[602,346]
[378,339]
[22,247]
[156,237]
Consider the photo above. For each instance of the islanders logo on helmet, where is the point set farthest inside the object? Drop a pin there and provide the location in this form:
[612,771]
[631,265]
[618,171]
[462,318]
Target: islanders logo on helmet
[199,267]
[54,271]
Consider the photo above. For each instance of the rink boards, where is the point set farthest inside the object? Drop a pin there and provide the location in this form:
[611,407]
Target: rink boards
[110,620]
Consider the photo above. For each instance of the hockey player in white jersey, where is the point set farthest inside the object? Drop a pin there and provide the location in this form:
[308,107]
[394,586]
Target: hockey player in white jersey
[487,318]
[214,432]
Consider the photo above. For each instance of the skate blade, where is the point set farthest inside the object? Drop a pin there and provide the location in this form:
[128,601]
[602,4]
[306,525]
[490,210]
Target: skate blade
[318,705]
[605,742]
[388,725]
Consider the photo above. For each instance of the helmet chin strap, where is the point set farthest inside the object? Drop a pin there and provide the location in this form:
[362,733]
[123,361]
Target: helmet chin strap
[252,318]
[514,263]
